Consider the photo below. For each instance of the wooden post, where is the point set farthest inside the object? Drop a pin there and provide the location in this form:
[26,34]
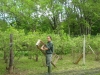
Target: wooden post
[79,59]
[84,50]
[92,50]
[11,55]
[73,55]
[96,56]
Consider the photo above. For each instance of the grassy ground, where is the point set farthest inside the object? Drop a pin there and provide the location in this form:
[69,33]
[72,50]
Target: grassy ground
[2,65]
[25,66]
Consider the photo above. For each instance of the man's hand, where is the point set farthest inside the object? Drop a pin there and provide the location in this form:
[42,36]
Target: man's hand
[42,48]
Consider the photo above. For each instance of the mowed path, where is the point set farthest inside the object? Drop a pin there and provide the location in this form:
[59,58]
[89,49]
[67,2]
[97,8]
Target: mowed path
[95,71]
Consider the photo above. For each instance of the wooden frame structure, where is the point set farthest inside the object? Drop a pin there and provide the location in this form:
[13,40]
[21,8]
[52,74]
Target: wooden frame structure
[55,57]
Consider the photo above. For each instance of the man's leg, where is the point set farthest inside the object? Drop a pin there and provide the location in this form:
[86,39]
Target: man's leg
[49,70]
[48,62]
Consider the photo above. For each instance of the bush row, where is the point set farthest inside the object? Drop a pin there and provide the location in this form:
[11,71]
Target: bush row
[63,44]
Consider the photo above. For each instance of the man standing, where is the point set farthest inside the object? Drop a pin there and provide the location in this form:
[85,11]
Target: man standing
[49,51]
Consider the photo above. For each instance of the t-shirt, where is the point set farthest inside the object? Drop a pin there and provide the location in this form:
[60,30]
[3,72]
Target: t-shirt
[50,48]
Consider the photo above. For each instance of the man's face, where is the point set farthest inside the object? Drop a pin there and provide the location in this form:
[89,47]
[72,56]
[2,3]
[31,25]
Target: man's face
[49,39]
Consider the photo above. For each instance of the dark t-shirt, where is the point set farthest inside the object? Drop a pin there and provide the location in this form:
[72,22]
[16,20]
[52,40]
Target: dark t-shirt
[50,48]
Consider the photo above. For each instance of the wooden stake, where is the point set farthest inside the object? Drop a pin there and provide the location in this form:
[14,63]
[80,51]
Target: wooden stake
[79,59]
[92,50]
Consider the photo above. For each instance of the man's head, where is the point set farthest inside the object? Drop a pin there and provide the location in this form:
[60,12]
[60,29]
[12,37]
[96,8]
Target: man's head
[49,38]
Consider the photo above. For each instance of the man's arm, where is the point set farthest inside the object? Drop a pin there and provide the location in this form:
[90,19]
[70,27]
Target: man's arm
[47,47]
[44,48]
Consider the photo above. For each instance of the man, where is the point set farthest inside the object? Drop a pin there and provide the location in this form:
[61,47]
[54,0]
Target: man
[49,51]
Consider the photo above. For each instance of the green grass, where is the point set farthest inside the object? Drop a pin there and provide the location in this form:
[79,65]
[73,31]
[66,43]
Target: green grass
[25,66]
[30,65]
[2,65]
[2,68]
[66,64]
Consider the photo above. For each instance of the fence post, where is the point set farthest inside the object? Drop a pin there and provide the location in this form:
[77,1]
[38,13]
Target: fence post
[84,50]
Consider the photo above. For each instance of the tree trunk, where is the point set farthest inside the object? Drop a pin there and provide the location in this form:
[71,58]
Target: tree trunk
[68,29]
[11,60]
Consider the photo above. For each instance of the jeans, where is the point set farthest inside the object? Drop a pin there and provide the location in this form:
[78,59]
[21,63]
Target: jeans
[48,59]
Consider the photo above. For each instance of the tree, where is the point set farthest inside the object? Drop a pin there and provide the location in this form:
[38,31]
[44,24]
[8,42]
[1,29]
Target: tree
[75,17]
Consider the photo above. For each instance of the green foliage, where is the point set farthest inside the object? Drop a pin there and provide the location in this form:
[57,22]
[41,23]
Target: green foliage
[95,42]
[77,17]
[63,44]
